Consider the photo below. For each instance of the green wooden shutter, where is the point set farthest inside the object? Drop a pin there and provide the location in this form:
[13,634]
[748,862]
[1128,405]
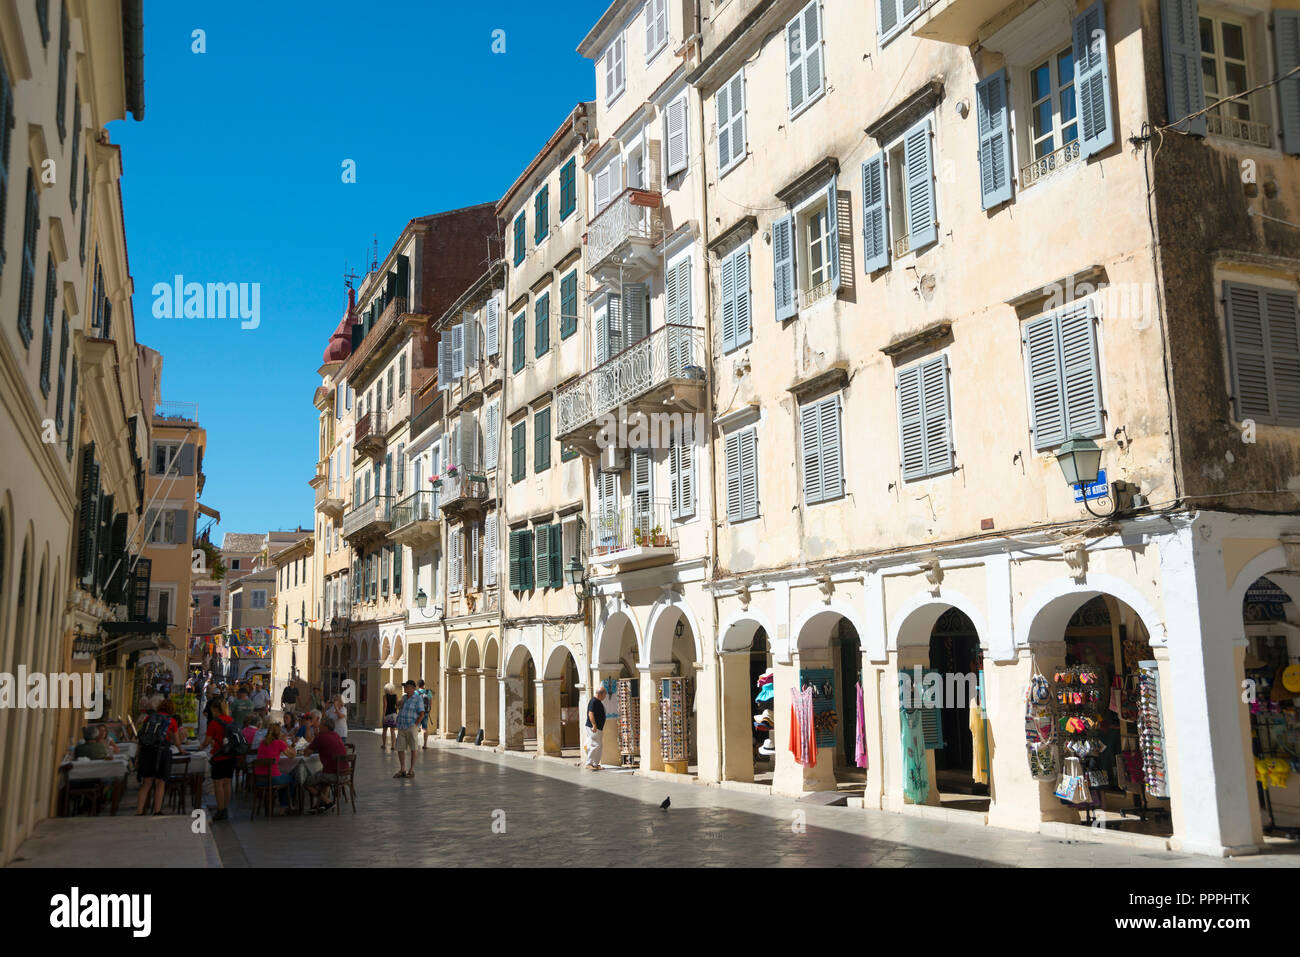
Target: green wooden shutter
[911,422]
[1184,85]
[542,226]
[810,447]
[568,190]
[1286,45]
[1092,81]
[517,335]
[557,556]
[542,533]
[993,123]
[542,440]
[918,163]
[526,557]
[542,332]
[783,268]
[1043,362]
[513,558]
[518,462]
[569,305]
[1080,375]
[521,238]
[875,215]
[937,416]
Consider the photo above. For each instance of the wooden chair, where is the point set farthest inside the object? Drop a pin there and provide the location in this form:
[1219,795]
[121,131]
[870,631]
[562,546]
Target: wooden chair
[343,786]
[264,788]
[75,793]
[177,784]
[352,760]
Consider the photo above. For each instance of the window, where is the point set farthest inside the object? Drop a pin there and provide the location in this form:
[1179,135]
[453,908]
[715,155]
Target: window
[517,344]
[803,63]
[388,389]
[164,526]
[1064,378]
[893,15]
[681,476]
[521,560]
[63,362]
[924,416]
[258,599]
[742,475]
[1226,71]
[805,252]
[27,293]
[165,456]
[542,331]
[6,137]
[521,238]
[568,189]
[47,326]
[542,440]
[820,448]
[85,203]
[164,603]
[234,564]
[542,215]
[730,102]
[899,200]
[1052,118]
[615,68]
[76,146]
[401,375]
[518,452]
[1264,346]
[676,137]
[737,320]
[569,305]
[60,106]
[72,410]
[656,27]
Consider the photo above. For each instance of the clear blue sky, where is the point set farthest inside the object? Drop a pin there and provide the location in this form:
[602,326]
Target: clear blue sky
[235,176]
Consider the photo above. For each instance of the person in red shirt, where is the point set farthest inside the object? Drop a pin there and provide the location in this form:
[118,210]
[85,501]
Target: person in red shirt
[223,765]
[153,760]
[330,747]
[273,747]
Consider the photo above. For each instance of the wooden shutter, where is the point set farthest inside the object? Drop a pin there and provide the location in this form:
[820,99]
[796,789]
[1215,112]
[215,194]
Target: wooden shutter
[490,549]
[875,214]
[557,556]
[526,557]
[725,106]
[492,419]
[1080,378]
[471,341]
[744,303]
[636,298]
[728,284]
[614,326]
[1180,32]
[812,50]
[1244,308]
[467,428]
[733,477]
[833,233]
[541,325]
[517,343]
[794,63]
[492,311]
[886,16]
[518,459]
[1043,361]
[568,305]
[783,268]
[1092,81]
[749,473]
[512,557]
[474,551]
[642,490]
[542,215]
[918,164]
[542,440]
[542,534]
[602,189]
[675,136]
[937,415]
[993,122]
[444,360]
[829,414]
[810,447]
[1286,46]
[681,473]
[911,422]
[521,237]
[458,350]
[88,518]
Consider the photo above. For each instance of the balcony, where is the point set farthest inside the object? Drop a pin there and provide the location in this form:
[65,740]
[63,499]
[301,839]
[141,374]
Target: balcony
[962,22]
[662,373]
[369,437]
[372,519]
[416,520]
[464,492]
[640,534]
[424,420]
[1245,131]
[329,501]
[1044,166]
[623,235]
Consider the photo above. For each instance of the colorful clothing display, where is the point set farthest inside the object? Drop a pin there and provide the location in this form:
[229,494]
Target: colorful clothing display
[1272,772]
[803,741]
[860,750]
[1151,732]
[979,745]
[916,773]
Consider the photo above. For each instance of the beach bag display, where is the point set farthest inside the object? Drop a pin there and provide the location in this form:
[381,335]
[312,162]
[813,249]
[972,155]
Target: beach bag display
[1044,761]
[1073,786]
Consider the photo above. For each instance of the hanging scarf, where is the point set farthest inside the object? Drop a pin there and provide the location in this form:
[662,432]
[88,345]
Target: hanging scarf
[860,752]
[803,740]
[916,771]
[980,759]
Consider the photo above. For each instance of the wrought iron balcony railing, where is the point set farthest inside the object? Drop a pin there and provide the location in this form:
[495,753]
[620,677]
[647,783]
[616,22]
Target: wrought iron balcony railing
[632,216]
[636,527]
[670,352]
[466,487]
[369,433]
[1046,165]
[1247,131]
[375,514]
[416,518]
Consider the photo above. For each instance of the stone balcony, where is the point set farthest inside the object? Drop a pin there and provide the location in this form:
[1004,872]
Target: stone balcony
[370,520]
[416,519]
[464,492]
[637,535]
[369,438]
[622,237]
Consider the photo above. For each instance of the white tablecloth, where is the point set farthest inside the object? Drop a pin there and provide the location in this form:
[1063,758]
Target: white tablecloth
[126,749]
[109,769]
[199,761]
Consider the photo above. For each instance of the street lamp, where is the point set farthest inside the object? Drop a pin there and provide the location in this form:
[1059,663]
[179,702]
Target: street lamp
[1080,461]
[422,601]
[577,578]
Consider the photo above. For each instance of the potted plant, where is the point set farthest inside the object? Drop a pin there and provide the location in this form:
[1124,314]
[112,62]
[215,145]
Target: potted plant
[437,482]
[452,470]
[660,539]
[636,536]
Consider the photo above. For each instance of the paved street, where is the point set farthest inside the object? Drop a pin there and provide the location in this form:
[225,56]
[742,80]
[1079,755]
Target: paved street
[557,815]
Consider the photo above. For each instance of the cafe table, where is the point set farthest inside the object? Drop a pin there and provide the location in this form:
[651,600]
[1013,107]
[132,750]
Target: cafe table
[112,770]
[302,767]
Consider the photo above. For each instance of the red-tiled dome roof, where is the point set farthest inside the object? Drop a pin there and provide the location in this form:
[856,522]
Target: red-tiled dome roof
[340,344]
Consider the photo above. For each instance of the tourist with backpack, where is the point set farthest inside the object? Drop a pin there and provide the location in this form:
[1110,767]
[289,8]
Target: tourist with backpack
[226,745]
[427,695]
[153,759]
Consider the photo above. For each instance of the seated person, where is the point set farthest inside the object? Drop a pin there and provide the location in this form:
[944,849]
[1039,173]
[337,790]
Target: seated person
[307,729]
[107,741]
[91,747]
[330,747]
[252,724]
[274,748]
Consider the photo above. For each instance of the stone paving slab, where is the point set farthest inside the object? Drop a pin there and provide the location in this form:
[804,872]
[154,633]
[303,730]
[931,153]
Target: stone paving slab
[164,840]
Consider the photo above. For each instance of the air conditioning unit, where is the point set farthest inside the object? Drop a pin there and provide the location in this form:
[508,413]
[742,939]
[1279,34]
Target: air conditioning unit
[613,459]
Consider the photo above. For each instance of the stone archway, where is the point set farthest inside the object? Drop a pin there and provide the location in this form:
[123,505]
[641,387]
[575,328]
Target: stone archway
[519,693]
[491,685]
[471,690]
[744,647]
[672,651]
[558,720]
[451,692]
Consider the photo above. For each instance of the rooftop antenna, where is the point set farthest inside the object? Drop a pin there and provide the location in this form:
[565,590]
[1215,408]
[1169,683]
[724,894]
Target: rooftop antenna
[349,277]
[374,255]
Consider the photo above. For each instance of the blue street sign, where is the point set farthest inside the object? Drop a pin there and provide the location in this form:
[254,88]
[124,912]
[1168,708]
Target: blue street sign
[1098,489]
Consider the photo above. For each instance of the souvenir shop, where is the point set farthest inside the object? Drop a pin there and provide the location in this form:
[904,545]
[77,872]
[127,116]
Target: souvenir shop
[1272,671]
[1094,723]
[675,700]
[827,718]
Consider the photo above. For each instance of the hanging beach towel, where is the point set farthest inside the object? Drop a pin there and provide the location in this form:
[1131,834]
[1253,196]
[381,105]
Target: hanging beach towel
[916,774]
[860,752]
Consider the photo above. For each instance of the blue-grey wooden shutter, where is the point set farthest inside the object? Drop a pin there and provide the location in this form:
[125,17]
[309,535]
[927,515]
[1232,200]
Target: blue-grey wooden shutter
[1184,85]
[794,63]
[636,299]
[744,303]
[1248,346]
[1283,354]
[493,313]
[1092,81]
[749,473]
[1043,364]
[458,350]
[783,264]
[886,16]
[994,139]
[918,163]
[1286,45]
[829,435]
[938,415]
[734,508]
[911,422]
[728,283]
[875,215]
[1080,376]
[833,233]
[810,446]
[614,326]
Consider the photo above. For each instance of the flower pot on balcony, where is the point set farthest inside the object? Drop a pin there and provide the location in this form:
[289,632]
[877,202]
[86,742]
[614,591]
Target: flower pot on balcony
[661,541]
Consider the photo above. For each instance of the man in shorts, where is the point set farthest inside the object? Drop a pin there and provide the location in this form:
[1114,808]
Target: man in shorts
[409,715]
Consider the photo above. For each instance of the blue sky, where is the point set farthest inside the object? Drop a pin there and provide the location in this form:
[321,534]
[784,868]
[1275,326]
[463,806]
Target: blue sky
[235,175]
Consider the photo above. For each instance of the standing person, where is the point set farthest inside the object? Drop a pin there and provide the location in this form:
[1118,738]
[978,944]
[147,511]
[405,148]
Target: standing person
[288,697]
[242,706]
[261,700]
[338,713]
[315,698]
[408,718]
[595,726]
[428,710]
[222,764]
[390,715]
[153,760]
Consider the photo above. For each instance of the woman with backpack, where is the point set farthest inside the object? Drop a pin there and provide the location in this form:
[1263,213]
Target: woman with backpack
[225,746]
[153,759]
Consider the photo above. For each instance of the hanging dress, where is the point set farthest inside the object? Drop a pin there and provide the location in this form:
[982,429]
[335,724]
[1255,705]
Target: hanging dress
[979,740]
[916,775]
[803,741]
[860,752]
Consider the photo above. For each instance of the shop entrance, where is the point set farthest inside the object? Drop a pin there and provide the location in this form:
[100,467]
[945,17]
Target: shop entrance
[827,675]
[961,757]
[674,698]
[561,706]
